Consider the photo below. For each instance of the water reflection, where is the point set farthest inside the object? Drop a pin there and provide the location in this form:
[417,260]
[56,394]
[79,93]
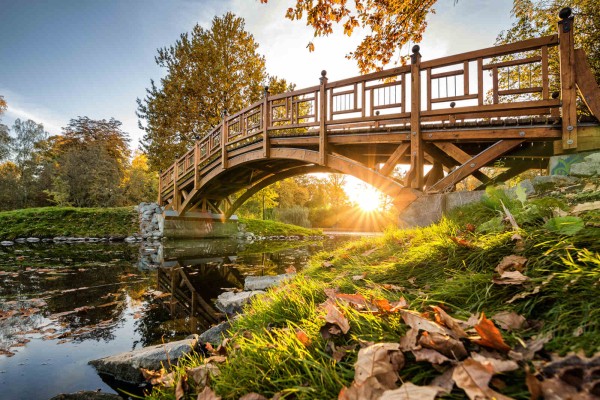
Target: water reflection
[63,305]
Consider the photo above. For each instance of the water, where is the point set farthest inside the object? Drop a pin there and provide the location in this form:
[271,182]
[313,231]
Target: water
[64,305]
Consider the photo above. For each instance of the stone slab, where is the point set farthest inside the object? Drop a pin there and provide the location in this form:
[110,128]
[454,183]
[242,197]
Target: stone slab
[126,366]
[265,282]
[424,211]
[232,303]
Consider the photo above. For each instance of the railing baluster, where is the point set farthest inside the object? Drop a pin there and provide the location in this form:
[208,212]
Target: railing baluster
[416,142]
[323,119]
[265,123]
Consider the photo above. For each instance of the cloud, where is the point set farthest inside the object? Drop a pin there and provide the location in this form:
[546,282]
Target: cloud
[52,124]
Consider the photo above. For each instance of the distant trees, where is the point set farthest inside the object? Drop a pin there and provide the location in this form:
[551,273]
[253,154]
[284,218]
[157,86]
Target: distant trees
[4,136]
[207,71]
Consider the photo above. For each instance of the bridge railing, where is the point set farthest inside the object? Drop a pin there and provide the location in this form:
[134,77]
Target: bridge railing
[497,82]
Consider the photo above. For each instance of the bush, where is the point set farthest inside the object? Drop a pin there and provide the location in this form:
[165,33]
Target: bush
[296,216]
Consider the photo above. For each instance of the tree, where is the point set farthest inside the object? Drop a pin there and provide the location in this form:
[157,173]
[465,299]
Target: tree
[140,184]
[392,24]
[9,180]
[209,71]
[5,139]
[24,149]
[88,163]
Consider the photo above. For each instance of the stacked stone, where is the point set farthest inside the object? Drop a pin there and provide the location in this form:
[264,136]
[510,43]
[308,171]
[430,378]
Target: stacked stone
[151,221]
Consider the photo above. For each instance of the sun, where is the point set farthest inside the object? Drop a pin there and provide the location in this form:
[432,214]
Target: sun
[367,198]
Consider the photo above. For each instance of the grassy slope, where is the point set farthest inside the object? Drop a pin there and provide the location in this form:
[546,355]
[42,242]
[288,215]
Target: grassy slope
[68,221]
[274,228]
[447,264]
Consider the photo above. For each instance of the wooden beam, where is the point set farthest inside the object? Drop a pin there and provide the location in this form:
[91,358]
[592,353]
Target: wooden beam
[567,82]
[459,155]
[548,132]
[391,162]
[473,164]
[266,121]
[416,141]
[508,174]
[586,83]
[323,119]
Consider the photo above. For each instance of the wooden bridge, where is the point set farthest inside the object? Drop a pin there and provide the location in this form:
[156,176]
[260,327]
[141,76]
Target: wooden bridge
[446,118]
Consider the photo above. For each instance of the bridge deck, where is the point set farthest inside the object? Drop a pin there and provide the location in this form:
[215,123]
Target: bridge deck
[456,114]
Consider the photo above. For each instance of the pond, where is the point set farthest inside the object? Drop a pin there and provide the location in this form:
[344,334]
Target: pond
[62,305]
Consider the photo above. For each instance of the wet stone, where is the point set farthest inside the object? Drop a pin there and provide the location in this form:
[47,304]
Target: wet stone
[7,243]
[87,395]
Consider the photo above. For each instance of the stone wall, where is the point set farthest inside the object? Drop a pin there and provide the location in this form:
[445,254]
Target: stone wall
[152,222]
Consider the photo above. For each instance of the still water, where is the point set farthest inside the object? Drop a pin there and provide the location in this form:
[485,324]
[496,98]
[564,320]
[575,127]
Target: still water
[62,305]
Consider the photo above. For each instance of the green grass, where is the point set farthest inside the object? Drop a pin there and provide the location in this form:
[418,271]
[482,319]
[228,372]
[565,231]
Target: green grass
[450,263]
[274,228]
[68,221]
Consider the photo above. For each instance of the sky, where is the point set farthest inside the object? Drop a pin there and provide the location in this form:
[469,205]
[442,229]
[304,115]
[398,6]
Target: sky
[62,59]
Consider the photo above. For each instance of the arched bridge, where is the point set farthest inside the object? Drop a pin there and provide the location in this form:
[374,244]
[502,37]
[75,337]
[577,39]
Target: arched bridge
[446,118]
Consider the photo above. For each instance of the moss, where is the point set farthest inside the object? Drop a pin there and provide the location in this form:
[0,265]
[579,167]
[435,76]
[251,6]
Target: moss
[68,221]
[274,228]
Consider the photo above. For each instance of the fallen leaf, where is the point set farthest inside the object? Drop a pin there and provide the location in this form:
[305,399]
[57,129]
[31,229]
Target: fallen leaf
[6,353]
[490,335]
[290,270]
[410,391]
[371,389]
[511,263]
[202,374]
[416,321]
[159,377]
[532,346]
[498,365]
[430,356]
[474,378]
[327,264]
[444,319]
[302,337]
[461,242]
[369,252]
[334,316]
[215,359]
[382,304]
[556,389]
[533,385]
[535,290]
[377,361]
[510,278]
[253,396]
[444,380]
[181,388]
[450,347]
[359,277]
[339,352]
[412,280]
[398,305]
[137,315]
[579,208]
[408,342]
[208,394]
[509,320]
[393,288]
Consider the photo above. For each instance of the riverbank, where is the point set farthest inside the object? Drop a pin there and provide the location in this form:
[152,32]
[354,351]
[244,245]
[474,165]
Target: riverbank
[115,223]
[485,303]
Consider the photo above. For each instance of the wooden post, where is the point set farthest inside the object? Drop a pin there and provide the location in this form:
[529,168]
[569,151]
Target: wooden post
[416,141]
[224,137]
[159,200]
[567,79]
[323,119]
[266,120]
[196,162]
[176,194]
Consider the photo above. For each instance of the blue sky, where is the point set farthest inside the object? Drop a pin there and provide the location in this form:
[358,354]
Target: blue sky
[66,58]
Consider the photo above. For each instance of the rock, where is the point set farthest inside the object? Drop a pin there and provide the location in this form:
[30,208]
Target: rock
[126,366]
[130,239]
[33,240]
[216,334]
[20,240]
[585,169]
[539,182]
[7,243]
[87,395]
[264,282]
[232,303]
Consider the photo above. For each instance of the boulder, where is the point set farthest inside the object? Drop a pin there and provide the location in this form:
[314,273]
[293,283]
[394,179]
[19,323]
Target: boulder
[216,334]
[87,395]
[232,303]
[126,366]
[33,240]
[542,182]
[7,243]
[585,169]
[264,282]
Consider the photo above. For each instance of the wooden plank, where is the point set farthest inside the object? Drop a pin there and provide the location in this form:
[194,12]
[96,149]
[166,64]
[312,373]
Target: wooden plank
[447,73]
[459,155]
[545,79]
[510,63]
[480,160]
[454,98]
[495,51]
[567,82]
[586,83]
[549,132]
[466,78]
[508,92]
[480,81]
[416,143]
[391,162]
[323,120]
[494,107]
[495,85]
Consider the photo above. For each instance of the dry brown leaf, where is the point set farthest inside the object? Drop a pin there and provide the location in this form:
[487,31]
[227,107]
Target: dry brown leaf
[253,396]
[511,263]
[159,377]
[334,316]
[359,277]
[354,300]
[443,318]
[579,208]
[498,365]
[370,389]
[509,320]
[510,278]
[519,243]
[339,352]
[533,384]
[201,375]
[450,347]
[429,355]
[302,337]
[408,342]
[392,288]
[208,394]
[398,305]
[327,264]
[381,361]
[410,391]
[416,321]
[444,380]
[412,280]
[382,304]
[474,378]
[556,389]
[181,388]
[531,347]
[490,335]
[290,270]
[535,290]
[215,359]
[369,252]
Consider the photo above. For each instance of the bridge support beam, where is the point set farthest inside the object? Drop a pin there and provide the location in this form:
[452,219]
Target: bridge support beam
[416,141]
[567,79]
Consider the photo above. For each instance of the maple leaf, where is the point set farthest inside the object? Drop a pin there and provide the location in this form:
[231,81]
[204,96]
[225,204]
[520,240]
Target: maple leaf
[303,337]
[378,361]
[444,319]
[334,316]
[253,396]
[208,394]
[410,391]
[490,335]
[474,378]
